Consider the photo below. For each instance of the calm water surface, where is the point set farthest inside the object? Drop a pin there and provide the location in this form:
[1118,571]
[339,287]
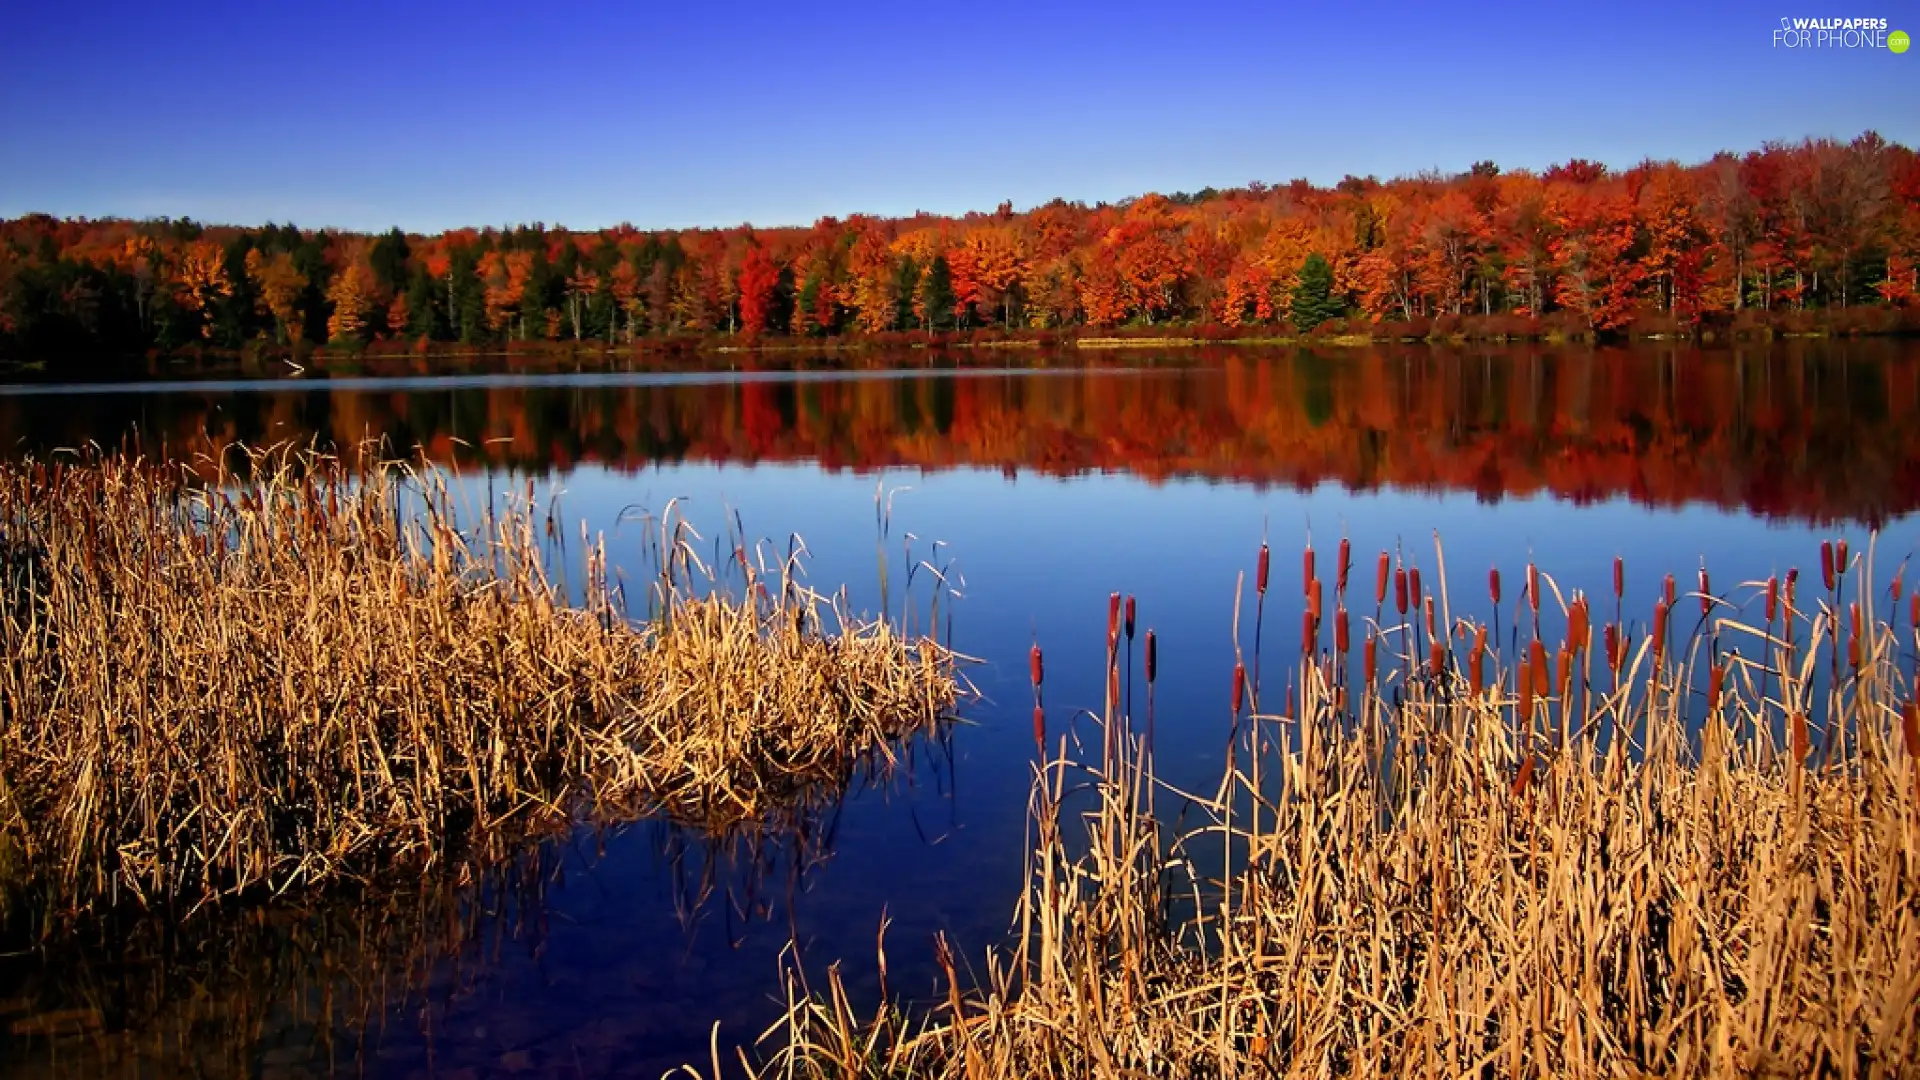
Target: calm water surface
[1046,488]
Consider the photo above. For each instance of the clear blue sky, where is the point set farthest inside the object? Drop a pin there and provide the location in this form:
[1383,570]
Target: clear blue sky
[431,115]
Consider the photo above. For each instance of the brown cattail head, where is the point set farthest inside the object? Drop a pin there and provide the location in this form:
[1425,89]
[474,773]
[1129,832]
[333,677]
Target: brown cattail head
[1309,630]
[1239,685]
[1428,604]
[1793,583]
[1563,673]
[1523,777]
[1840,561]
[1525,715]
[1113,618]
[1493,584]
[1129,617]
[1039,726]
[1437,660]
[1340,630]
[1619,577]
[1400,590]
[1826,564]
[1380,582]
[1706,594]
[1035,667]
[1368,654]
[1414,592]
[1896,587]
[1797,735]
[1612,640]
[1773,599]
[1153,656]
[1854,646]
[1346,565]
[1716,680]
[1659,630]
[1260,572]
[1477,661]
[1537,661]
[1910,728]
[1913,614]
[1307,572]
[1578,627]
[1313,598]
[1668,593]
[1533,587]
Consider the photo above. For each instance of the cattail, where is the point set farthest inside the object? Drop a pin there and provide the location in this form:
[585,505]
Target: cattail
[1400,590]
[1524,777]
[1797,731]
[1533,587]
[1034,666]
[1577,624]
[1428,602]
[1716,677]
[1260,572]
[1309,630]
[1669,595]
[1853,637]
[1129,617]
[1563,676]
[1153,656]
[1493,584]
[1659,630]
[1307,573]
[1793,583]
[1293,702]
[1706,594]
[1437,661]
[1826,564]
[1239,684]
[1537,660]
[1773,599]
[1612,639]
[1340,630]
[1313,598]
[1914,613]
[1113,618]
[1840,561]
[1367,657]
[1895,590]
[1477,661]
[1039,726]
[1910,728]
[1414,592]
[1619,577]
[1346,564]
[1380,582]
[1525,715]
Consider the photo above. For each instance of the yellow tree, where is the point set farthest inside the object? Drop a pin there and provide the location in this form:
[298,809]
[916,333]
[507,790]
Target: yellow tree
[352,294]
[202,280]
[278,284]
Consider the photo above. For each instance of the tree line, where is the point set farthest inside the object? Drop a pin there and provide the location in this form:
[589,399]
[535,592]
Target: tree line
[1784,228]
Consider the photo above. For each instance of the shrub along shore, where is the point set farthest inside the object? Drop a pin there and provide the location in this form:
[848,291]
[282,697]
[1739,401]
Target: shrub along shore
[229,682]
[1683,845]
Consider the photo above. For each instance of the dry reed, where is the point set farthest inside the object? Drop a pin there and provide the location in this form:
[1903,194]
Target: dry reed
[222,681]
[1705,865]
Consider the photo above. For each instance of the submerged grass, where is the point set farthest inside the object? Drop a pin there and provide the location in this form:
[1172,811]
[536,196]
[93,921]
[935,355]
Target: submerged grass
[1617,853]
[230,681]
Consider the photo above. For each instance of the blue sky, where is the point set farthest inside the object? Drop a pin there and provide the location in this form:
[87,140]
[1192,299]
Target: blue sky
[431,115]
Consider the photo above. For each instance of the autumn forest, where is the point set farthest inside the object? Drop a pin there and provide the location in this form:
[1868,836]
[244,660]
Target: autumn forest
[1577,249]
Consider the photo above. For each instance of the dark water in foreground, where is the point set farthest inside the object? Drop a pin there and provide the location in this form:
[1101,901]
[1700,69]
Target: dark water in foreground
[614,953]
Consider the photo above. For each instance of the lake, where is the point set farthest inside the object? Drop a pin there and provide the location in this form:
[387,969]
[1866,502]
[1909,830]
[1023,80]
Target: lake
[1038,485]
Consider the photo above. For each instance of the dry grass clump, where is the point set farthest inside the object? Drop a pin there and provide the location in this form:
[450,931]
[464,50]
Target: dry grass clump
[216,683]
[1611,854]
